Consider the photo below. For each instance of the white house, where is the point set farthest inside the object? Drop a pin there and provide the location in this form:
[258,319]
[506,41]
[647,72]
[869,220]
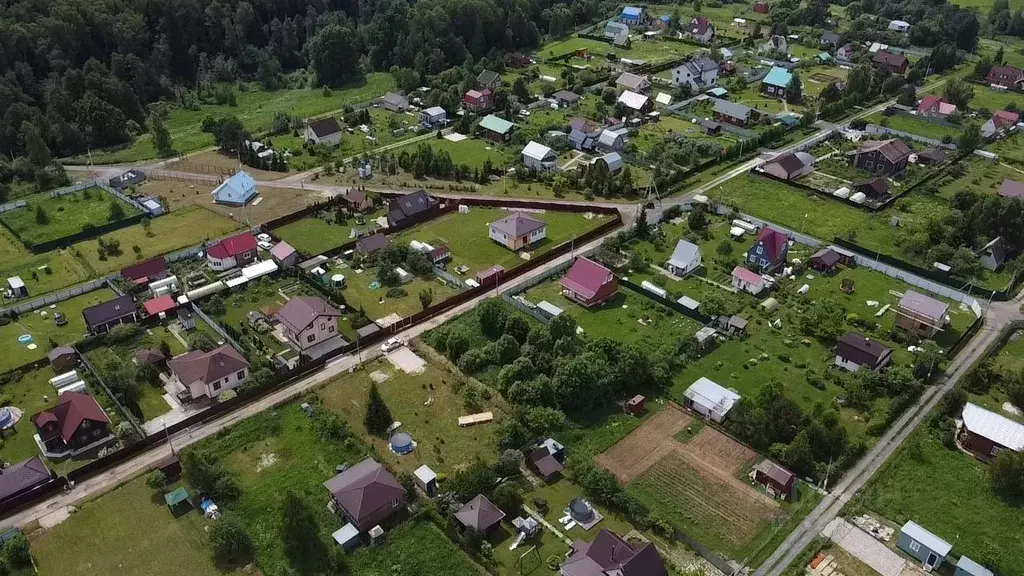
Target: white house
[209,374]
[308,321]
[323,131]
[517,230]
[710,399]
[433,117]
[747,281]
[685,258]
[899,25]
[698,74]
[636,102]
[611,140]
[538,157]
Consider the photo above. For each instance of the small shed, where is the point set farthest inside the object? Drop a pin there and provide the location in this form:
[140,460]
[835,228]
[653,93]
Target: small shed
[490,276]
[710,399]
[923,545]
[17,287]
[967,567]
[543,463]
[426,479]
[170,466]
[347,536]
[635,405]
[480,516]
[705,337]
[187,319]
[825,260]
[177,500]
[775,477]
[62,359]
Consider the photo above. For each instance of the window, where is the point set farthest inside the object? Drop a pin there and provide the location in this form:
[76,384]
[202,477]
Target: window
[311,338]
[869,164]
[394,503]
[240,375]
[216,385]
[760,249]
[915,545]
[331,328]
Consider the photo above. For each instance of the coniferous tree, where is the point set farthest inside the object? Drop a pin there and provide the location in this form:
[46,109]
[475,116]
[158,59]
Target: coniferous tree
[378,415]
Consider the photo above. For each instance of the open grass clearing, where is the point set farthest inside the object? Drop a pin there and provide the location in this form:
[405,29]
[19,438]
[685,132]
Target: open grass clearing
[918,126]
[377,304]
[42,273]
[417,547]
[475,151]
[315,234]
[102,537]
[1010,150]
[993,100]
[947,491]
[173,231]
[43,330]
[256,109]
[428,405]
[979,175]
[65,215]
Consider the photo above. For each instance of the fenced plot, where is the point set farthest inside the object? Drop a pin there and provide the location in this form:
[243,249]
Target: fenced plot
[823,78]
[635,454]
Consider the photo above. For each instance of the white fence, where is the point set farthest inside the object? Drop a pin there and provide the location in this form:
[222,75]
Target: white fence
[55,297]
[13,206]
[72,189]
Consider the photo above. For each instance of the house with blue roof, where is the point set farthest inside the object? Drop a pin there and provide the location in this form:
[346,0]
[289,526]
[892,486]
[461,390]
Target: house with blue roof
[237,190]
[634,16]
[776,82]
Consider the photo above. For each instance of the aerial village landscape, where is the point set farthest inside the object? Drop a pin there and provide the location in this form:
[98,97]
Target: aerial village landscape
[574,288]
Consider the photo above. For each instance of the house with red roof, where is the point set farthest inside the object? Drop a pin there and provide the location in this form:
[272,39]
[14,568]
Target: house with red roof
[747,281]
[75,425]
[160,305]
[1007,77]
[145,272]
[935,107]
[1001,120]
[478,100]
[701,29]
[769,252]
[891,62]
[588,283]
[199,374]
[762,7]
[366,494]
[237,250]
[609,555]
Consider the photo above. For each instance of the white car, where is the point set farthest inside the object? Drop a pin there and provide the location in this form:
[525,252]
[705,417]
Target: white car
[391,344]
[263,237]
[265,245]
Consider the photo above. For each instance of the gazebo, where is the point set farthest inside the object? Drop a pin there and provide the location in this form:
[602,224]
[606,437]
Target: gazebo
[177,500]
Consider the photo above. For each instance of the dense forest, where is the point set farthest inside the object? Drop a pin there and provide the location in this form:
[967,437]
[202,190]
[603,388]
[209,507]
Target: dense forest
[83,73]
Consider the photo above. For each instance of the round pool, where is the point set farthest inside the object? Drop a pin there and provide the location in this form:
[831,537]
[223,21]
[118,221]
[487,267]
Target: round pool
[25,338]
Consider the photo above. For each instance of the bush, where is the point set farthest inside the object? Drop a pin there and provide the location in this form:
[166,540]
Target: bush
[230,541]
[396,293]
[17,551]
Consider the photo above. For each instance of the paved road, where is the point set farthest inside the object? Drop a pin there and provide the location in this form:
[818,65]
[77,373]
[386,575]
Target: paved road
[997,317]
[146,461]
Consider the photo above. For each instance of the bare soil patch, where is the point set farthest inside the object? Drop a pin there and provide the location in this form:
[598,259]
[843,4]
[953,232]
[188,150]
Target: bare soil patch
[719,451]
[271,202]
[216,164]
[645,446]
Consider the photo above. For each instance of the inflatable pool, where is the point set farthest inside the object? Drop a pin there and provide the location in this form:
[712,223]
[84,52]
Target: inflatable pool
[25,338]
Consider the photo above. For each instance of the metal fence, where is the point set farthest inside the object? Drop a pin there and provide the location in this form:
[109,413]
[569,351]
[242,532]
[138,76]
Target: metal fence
[183,177]
[876,129]
[13,206]
[117,194]
[73,188]
[448,278]
[216,327]
[55,297]
[99,380]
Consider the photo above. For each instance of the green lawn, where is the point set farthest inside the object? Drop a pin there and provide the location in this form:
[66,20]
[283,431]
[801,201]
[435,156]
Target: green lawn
[990,99]
[174,231]
[256,109]
[620,317]
[127,531]
[359,294]
[947,491]
[27,394]
[979,175]
[43,330]
[65,215]
[314,235]
[42,273]
[441,443]
[356,143]
[475,151]
[417,547]
[262,296]
[918,126]
[1010,149]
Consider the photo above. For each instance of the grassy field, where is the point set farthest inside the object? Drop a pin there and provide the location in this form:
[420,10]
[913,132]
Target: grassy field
[826,219]
[441,443]
[993,100]
[101,538]
[918,126]
[314,235]
[67,215]
[43,330]
[26,393]
[377,304]
[1011,149]
[475,151]
[174,231]
[979,175]
[256,109]
[64,268]
[620,317]
[417,547]
[926,482]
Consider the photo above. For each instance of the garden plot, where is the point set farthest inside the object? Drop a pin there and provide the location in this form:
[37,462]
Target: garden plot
[46,218]
[320,232]
[363,292]
[978,175]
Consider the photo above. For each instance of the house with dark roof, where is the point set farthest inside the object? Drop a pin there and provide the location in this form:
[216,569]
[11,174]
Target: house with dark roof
[231,252]
[149,357]
[394,102]
[410,209]
[488,80]
[876,188]
[102,317]
[920,314]
[790,166]
[588,283]
[75,425]
[701,30]
[762,7]
[986,433]
[931,157]
[769,252]
[854,352]
[732,113]
[610,555]
[886,157]
[439,255]
[358,200]
[147,271]
[542,462]
[1007,77]
[518,230]
[22,478]
[775,477]
[566,98]
[891,62]
[128,179]
[366,494]
[323,131]
[830,39]
[826,260]
[209,374]
[308,322]
[367,245]
[698,73]
[480,516]
[238,190]
[62,358]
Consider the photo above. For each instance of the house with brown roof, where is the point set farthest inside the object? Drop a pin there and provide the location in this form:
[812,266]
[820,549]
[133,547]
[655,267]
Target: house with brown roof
[876,188]
[308,322]
[1007,77]
[920,314]
[366,494]
[22,478]
[357,200]
[480,516]
[854,352]
[891,62]
[769,252]
[102,317]
[932,106]
[775,477]
[790,166]
[826,260]
[888,157]
[546,459]
[199,374]
[610,555]
[518,230]
[75,425]
[367,245]
[931,157]
[62,358]
[145,272]
[323,131]
[701,30]
[588,283]
[633,83]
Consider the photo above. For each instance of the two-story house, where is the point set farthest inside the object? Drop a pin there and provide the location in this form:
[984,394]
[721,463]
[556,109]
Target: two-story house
[891,62]
[701,29]
[769,252]
[888,157]
[366,494]
[308,321]
[237,250]
[75,425]
[698,74]
[208,374]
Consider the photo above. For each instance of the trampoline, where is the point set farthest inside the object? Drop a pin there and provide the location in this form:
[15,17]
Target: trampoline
[402,443]
[9,416]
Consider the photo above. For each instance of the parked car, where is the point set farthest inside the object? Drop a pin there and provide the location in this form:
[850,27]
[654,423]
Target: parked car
[60,318]
[264,237]
[391,344]
[264,245]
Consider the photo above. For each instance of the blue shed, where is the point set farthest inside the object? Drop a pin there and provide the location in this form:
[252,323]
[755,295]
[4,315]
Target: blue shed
[236,191]
[967,567]
[633,15]
[923,545]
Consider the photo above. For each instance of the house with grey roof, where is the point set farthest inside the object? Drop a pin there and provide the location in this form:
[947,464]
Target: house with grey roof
[366,494]
[686,257]
[393,102]
[518,230]
[488,80]
[732,113]
[634,83]
[308,322]
[920,314]
[699,73]
[612,161]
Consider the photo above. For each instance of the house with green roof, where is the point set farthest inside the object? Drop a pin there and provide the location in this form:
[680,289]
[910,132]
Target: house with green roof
[496,129]
[776,82]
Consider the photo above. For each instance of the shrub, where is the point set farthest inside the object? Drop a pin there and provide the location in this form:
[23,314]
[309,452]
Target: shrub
[230,541]
[396,293]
